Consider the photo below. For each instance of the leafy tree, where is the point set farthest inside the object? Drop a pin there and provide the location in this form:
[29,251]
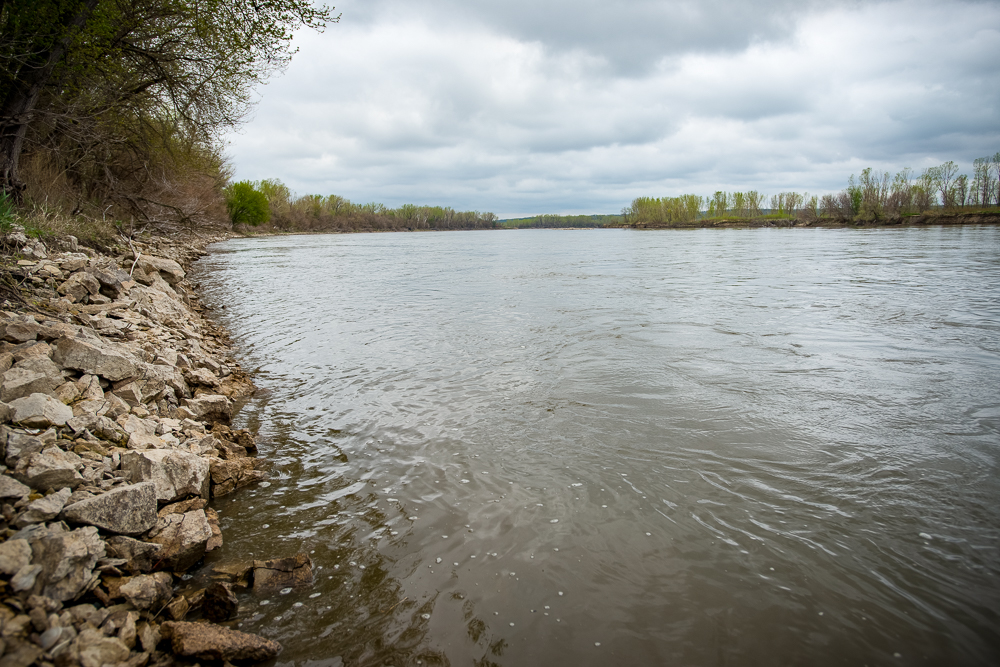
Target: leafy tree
[246,204]
[98,73]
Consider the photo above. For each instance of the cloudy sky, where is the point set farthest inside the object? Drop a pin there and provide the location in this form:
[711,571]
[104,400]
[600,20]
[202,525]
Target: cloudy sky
[576,106]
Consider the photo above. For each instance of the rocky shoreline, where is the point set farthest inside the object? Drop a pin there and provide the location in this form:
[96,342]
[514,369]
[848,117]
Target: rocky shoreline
[116,395]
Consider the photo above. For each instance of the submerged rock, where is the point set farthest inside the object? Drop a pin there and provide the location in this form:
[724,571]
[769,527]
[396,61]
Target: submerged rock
[271,575]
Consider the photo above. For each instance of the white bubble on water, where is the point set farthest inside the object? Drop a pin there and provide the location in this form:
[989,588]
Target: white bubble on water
[297,604]
[465,481]
[926,536]
[438,560]
[315,595]
[560,593]
[554,521]
[455,564]
[511,625]
[425,616]
[264,602]
[286,591]
[649,534]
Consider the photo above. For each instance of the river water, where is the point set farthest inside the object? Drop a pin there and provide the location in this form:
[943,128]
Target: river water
[615,447]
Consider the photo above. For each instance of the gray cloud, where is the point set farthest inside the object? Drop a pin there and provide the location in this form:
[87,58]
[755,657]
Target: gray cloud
[578,107]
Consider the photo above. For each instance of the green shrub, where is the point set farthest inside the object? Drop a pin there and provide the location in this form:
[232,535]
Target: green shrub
[246,204]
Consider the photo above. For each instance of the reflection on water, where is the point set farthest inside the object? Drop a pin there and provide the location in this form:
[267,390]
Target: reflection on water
[618,447]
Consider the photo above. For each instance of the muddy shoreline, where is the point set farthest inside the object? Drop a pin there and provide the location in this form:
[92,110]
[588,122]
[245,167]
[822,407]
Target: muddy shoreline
[116,396]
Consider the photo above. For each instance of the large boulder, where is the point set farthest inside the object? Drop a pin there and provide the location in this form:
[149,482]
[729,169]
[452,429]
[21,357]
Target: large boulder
[66,558]
[51,468]
[125,510]
[277,573]
[183,537]
[205,641]
[40,411]
[95,357]
[176,474]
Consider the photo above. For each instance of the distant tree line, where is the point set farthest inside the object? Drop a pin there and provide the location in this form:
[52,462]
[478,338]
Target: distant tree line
[871,197]
[561,221]
[270,202]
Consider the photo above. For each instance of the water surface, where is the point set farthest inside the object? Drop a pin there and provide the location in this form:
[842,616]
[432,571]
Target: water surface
[708,447]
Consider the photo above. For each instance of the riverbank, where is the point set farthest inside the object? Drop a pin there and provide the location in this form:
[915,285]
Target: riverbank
[116,396]
[927,219]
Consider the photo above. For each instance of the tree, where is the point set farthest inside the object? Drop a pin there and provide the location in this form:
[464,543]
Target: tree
[945,178]
[126,69]
[246,204]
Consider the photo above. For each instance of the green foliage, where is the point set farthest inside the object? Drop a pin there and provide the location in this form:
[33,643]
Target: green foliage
[246,204]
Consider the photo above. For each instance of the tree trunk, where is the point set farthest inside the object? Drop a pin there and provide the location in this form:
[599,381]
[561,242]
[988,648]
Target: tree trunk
[20,101]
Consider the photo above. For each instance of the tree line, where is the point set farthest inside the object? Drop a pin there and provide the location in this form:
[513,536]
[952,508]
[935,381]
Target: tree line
[870,197]
[561,221]
[271,203]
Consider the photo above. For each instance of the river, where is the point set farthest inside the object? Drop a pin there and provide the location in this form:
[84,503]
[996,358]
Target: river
[596,447]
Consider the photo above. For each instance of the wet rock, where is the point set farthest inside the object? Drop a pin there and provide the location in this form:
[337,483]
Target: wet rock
[94,649]
[215,541]
[219,603]
[148,591]
[52,468]
[14,555]
[11,488]
[141,556]
[67,559]
[184,538]
[212,642]
[43,509]
[176,474]
[40,411]
[95,357]
[210,407]
[294,572]
[125,510]
[229,475]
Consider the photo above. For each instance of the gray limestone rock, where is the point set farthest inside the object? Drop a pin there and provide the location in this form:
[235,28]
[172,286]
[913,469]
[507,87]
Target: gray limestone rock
[20,382]
[11,488]
[40,411]
[43,509]
[51,468]
[210,407]
[79,285]
[176,474]
[148,591]
[141,556]
[125,510]
[168,269]
[95,357]
[67,558]
[14,555]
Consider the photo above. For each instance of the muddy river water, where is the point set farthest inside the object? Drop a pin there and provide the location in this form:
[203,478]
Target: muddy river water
[615,447]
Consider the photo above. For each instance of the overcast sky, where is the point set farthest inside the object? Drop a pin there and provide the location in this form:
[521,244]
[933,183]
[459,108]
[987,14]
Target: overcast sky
[576,106]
